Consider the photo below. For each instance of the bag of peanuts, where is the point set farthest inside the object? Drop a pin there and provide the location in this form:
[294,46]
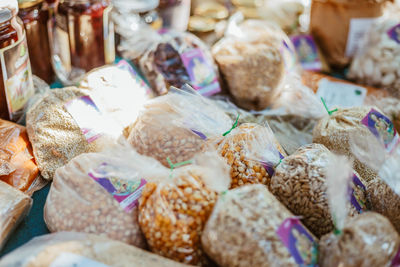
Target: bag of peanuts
[377,64]
[300,183]
[14,206]
[98,193]
[250,227]
[66,249]
[173,212]
[339,25]
[171,58]
[250,47]
[17,165]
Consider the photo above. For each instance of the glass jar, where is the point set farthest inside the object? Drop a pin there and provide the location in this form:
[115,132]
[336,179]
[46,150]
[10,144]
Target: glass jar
[83,38]
[35,15]
[175,13]
[16,86]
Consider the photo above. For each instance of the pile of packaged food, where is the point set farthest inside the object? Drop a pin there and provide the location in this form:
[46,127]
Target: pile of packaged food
[265,135]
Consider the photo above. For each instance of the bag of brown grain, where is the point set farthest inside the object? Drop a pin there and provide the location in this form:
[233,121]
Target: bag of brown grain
[339,25]
[98,193]
[14,206]
[80,249]
[173,212]
[300,184]
[253,58]
[250,227]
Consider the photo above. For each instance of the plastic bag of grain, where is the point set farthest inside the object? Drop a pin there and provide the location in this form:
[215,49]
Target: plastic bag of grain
[80,249]
[250,227]
[300,184]
[14,206]
[173,212]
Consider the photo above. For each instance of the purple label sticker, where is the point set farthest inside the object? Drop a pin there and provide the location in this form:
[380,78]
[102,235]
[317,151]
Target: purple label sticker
[356,199]
[87,115]
[299,242]
[202,76]
[127,193]
[307,52]
[382,128]
[200,134]
[396,259]
[124,65]
[394,33]
[270,166]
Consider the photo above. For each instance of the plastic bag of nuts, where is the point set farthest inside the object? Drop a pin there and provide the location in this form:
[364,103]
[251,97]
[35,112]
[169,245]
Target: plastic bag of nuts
[377,64]
[253,47]
[172,213]
[252,152]
[250,227]
[368,239]
[300,184]
[185,119]
[98,193]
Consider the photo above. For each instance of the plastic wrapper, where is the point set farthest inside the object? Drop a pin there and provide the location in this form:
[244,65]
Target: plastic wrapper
[365,240]
[253,47]
[14,206]
[339,25]
[185,119]
[250,227]
[172,213]
[17,165]
[171,58]
[98,193]
[80,249]
[300,183]
[377,63]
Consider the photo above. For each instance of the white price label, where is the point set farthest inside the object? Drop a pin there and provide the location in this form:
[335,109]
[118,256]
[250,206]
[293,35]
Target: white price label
[357,30]
[338,94]
[67,259]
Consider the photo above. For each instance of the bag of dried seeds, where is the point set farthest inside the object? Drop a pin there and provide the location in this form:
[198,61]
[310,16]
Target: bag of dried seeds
[98,193]
[300,184]
[173,212]
[172,58]
[253,58]
[250,227]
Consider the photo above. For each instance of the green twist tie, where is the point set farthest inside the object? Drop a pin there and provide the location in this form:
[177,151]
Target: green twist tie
[337,231]
[173,166]
[233,126]
[280,161]
[330,112]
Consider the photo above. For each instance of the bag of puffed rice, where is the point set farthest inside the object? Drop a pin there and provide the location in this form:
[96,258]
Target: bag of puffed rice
[173,212]
[250,227]
[79,249]
[98,193]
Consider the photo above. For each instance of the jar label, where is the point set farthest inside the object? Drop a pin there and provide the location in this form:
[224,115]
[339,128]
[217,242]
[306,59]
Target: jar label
[299,242]
[67,259]
[357,29]
[383,128]
[202,75]
[126,192]
[355,199]
[17,77]
[394,33]
[307,52]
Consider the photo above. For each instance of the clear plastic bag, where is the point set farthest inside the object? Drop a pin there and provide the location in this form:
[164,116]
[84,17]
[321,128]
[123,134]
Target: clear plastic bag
[14,206]
[250,227]
[377,63]
[172,213]
[98,193]
[80,249]
[171,58]
[17,165]
[300,183]
[253,58]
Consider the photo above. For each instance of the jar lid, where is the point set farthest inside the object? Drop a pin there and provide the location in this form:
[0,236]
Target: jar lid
[28,3]
[5,15]
[138,6]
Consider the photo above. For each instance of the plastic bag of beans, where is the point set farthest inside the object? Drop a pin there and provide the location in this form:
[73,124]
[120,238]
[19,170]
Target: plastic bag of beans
[98,193]
[368,239]
[250,227]
[172,58]
[300,183]
[173,212]
[176,126]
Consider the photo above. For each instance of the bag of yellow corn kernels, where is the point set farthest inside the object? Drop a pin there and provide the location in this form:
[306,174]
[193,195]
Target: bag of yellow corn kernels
[175,125]
[173,212]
